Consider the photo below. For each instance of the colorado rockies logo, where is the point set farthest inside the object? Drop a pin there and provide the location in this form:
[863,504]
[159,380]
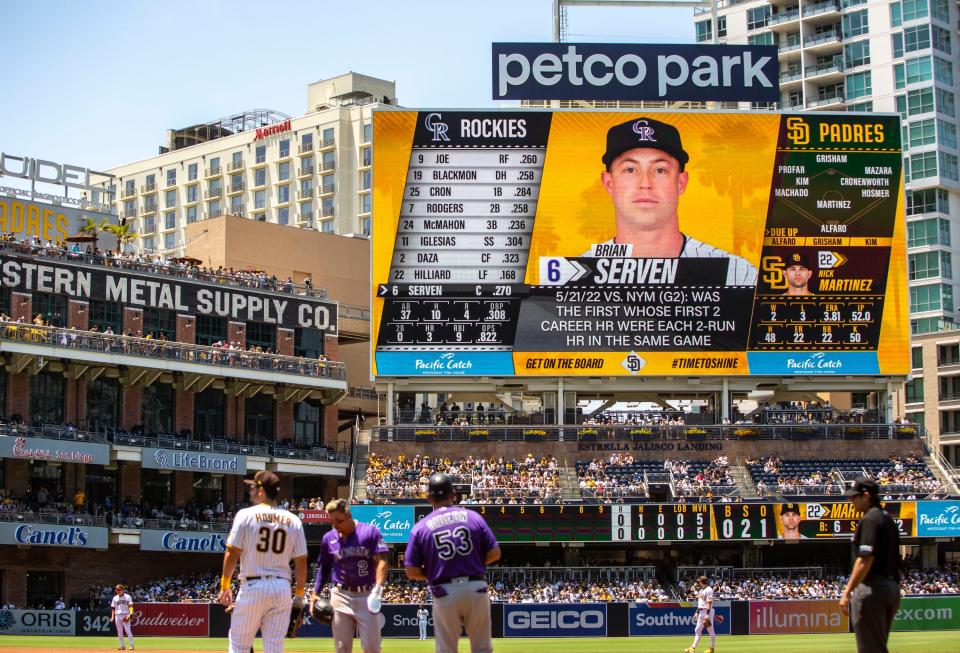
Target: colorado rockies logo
[6,620]
[161,458]
[439,129]
[642,129]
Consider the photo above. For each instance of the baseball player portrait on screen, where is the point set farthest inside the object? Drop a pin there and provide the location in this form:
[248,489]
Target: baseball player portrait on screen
[353,557]
[645,177]
[265,539]
[121,609]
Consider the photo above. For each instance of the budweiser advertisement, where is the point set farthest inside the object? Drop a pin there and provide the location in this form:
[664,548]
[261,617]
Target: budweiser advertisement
[171,619]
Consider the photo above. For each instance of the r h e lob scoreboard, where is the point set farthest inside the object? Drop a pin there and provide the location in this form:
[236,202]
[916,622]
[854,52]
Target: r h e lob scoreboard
[496,247]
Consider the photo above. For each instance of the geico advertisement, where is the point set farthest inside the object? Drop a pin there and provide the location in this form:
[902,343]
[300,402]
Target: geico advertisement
[674,618]
[797,617]
[37,622]
[559,620]
[633,244]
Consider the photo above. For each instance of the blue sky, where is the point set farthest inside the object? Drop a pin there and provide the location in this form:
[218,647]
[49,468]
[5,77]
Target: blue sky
[98,83]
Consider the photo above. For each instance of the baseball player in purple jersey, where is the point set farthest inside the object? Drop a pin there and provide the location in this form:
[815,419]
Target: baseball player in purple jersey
[353,556]
[450,549]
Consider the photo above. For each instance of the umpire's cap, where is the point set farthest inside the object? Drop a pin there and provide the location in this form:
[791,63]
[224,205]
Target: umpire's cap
[440,487]
[644,132]
[862,485]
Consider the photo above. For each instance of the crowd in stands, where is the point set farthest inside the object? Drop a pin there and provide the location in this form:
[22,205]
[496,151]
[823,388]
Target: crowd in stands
[490,480]
[622,476]
[906,477]
[155,264]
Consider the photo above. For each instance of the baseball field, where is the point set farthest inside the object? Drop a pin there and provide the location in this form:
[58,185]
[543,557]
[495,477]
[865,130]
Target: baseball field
[920,642]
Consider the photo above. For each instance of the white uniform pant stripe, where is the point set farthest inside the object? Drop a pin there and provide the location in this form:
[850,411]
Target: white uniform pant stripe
[698,631]
[262,605]
[123,627]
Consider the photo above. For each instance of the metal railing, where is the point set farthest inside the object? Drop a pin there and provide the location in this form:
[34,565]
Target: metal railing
[516,430]
[813,71]
[823,37]
[235,165]
[820,8]
[784,17]
[53,432]
[824,101]
[168,349]
[185,525]
[193,274]
[43,517]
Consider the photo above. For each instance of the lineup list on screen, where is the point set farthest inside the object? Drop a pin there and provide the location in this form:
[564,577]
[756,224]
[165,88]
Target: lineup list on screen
[504,258]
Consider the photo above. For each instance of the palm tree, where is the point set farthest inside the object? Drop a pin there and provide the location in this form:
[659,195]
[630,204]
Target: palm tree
[124,233]
[91,226]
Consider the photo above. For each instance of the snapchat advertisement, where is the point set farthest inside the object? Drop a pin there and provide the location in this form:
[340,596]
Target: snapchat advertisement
[637,244]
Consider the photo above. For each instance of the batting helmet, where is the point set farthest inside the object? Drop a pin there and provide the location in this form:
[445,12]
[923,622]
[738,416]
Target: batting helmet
[322,611]
[440,487]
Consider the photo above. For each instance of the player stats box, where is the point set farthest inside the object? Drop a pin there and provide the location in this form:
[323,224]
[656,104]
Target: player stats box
[502,247]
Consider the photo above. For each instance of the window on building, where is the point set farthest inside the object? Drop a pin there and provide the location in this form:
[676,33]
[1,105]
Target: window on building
[916,358]
[236,159]
[236,181]
[46,398]
[130,187]
[921,132]
[855,23]
[258,416]
[192,193]
[931,297]
[236,205]
[213,209]
[307,343]
[923,165]
[191,214]
[366,225]
[284,148]
[103,403]
[211,329]
[366,179]
[130,207]
[916,38]
[149,225]
[919,101]
[259,199]
[308,423]
[913,71]
[160,322]
[932,231]
[857,54]
[169,241]
[326,206]
[947,133]
[4,306]
[306,187]
[306,165]
[306,142]
[328,136]
[941,10]
[170,199]
[209,414]
[306,210]
[260,177]
[329,159]
[927,200]
[283,215]
[946,102]
[366,156]
[913,390]
[157,488]
[948,166]
[327,226]
[169,220]
[897,39]
[721,26]
[326,183]
[148,243]
[171,177]
[914,9]
[283,193]
[208,489]
[943,71]
[52,307]
[758,17]
[924,265]
[367,132]
[158,408]
[192,171]
[861,106]
[263,335]
[941,40]
[704,31]
[365,203]
[765,38]
[283,171]
[859,85]
[896,14]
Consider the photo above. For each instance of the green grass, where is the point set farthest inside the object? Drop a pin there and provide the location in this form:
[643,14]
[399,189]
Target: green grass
[925,642]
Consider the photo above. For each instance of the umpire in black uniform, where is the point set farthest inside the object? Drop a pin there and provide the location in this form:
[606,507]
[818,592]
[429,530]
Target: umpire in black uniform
[872,595]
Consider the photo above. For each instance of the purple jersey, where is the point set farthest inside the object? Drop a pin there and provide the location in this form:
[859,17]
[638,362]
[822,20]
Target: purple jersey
[450,542]
[351,557]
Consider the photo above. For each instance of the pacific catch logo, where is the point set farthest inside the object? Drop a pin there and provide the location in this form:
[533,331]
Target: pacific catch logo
[384,521]
[444,363]
[817,361]
[434,125]
[934,519]
[161,457]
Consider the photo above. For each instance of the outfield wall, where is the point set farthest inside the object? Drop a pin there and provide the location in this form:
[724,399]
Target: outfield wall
[513,620]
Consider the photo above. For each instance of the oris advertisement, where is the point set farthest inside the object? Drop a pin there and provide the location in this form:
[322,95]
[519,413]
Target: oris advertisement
[75,536]
[674,618]
[194,461]
[563,620]
[37,622]
[183,541]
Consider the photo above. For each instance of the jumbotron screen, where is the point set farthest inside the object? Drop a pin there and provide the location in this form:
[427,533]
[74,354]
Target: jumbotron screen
[572,243]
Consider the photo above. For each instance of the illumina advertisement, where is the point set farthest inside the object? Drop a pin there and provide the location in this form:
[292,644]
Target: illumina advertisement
[638,244]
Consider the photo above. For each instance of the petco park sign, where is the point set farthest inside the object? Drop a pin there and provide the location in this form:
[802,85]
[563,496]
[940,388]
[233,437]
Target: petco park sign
[194,461]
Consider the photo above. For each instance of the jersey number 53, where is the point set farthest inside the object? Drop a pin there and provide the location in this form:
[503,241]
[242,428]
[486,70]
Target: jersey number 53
[453,543]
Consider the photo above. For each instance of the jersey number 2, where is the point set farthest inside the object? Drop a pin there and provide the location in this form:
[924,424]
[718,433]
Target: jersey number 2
[275,543]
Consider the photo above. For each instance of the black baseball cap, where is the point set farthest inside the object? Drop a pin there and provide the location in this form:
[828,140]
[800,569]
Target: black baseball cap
[267,480]
[644,132]
[798,259]
[790,507]
[862,485]
[439,487]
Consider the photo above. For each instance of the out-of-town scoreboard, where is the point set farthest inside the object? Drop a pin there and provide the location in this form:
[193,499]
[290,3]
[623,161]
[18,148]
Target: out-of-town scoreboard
[501,245]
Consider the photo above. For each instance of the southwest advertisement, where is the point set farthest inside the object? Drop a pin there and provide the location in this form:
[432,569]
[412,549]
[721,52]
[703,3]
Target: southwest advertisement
[631,244]
[674,618]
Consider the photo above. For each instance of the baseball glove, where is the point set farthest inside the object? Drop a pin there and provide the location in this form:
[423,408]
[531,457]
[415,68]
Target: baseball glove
[322,611]
[707,623]
[296,619]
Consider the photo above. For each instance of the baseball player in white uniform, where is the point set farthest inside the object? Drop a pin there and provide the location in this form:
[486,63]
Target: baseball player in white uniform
[645,178]
[705,616]
[264,538]
[121,608]
[422,616]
